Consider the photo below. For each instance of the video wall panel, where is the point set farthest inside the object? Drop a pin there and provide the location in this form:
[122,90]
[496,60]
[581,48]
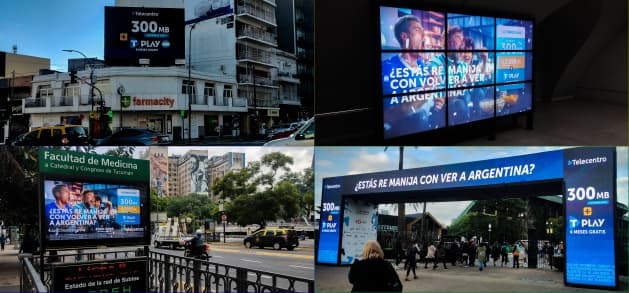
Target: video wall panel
[482,66]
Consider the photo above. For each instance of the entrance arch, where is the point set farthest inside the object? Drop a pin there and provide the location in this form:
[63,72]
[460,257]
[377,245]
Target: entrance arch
[585,176]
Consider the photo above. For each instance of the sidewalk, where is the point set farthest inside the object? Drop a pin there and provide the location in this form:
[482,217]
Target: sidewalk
[9,270]
[459,279]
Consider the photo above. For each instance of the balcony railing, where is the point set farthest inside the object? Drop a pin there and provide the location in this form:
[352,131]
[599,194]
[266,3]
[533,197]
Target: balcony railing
[257,10]
[247,52]
[35,102]
[62,101]
[256,33]
[200,100]
[220,101]
[262,99]
[247,78]
[239,102]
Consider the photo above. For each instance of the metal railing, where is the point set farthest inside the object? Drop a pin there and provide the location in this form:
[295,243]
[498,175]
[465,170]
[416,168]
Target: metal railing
[247,78]
[169,273]
[256,33]
[200,100]
[29,277]
[247,52]
[220,101]
[249,7]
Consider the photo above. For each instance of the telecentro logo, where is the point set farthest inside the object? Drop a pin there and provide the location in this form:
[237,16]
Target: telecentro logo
[588,161]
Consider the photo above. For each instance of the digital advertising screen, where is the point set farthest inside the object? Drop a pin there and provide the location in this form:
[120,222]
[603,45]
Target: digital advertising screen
[398,77]
[410,114]
[469,32]
[93,200]
[468,68]
[128,275]
[514,34]
[589,202]
[514,66]
[427,53]
[134,33]
[513,98]
[473,104]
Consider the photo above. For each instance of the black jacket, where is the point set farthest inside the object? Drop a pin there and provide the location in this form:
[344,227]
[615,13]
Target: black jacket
[374,275]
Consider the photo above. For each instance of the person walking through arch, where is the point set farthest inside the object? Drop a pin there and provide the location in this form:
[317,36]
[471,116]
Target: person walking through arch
[516,255]
[430,254]
[411,259]
[372,273]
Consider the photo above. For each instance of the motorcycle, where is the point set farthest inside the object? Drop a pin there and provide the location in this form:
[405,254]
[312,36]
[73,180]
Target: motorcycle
[202,252]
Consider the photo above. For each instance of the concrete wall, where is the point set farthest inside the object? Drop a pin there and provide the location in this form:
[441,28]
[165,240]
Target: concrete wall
[24,65]
[213,48]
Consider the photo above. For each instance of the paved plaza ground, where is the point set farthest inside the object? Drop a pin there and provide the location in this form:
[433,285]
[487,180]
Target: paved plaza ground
[460,279]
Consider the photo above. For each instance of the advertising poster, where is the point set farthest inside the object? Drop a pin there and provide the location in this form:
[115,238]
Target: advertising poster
[468,105]
[360,223]
[514,66]
[330,223]
[89,199]
[82,210]
[133,33]
[127,275]
[514,34]
[589,200]
[415,113]
[469,32]
[199,10]
[158,160]
[513,98]
[410,29]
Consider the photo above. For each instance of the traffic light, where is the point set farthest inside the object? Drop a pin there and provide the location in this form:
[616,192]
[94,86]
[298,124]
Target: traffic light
[73,78]
[183,113]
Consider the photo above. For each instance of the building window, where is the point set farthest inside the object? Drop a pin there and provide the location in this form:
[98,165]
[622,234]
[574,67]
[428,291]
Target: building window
[208,91]
[188,88]
[71,91]
[44,91]
[227,91]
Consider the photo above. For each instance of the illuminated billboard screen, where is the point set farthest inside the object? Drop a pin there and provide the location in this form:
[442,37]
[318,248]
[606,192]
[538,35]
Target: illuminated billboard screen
[482,65]
[153,34]
[92,200]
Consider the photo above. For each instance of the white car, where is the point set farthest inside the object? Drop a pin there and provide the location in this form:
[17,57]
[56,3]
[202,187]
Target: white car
[304,136]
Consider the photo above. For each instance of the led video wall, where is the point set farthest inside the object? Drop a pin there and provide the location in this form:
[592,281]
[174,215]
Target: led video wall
[441,69]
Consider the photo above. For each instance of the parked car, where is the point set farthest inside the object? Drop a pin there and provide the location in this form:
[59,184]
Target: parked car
[58,135]
[135,136]
[277,238]
[17,140]
[304,136]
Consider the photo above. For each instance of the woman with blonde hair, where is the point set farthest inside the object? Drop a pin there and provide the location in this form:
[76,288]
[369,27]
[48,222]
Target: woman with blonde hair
[372,273]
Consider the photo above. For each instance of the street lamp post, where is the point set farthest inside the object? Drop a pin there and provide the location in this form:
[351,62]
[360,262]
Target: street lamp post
[91,84]
[190,83]
[221,208]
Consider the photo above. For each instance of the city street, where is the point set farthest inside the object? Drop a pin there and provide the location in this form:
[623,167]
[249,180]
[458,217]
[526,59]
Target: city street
[296,263]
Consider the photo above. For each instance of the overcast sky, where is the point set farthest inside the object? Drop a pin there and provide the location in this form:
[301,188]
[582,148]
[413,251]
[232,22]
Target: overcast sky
[340,161]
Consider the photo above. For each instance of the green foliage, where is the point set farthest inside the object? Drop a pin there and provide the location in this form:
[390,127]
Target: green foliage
[193,205]
[122,151]
[158,204]
[503,215]
[281,202]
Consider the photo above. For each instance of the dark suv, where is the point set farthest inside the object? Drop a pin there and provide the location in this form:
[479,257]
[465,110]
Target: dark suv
[277,238]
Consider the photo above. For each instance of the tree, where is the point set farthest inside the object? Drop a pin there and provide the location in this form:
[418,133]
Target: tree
[281,202]
[234,184]
[158,204]
[122,151]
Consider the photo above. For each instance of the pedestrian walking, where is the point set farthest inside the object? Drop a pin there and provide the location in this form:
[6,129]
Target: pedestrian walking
[516,256]
[399,252]
[440,255]
[504,254]
[430,254]
[495,252]
[372,273]
[472,253]
[411,259]
[481,251]
[2,240]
